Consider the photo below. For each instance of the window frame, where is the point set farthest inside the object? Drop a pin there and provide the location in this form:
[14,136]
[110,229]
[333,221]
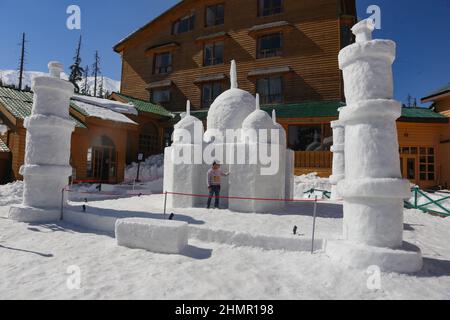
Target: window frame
[168,68]
[191,23]
[161,90]
[213,59]
[215,13]
[211,98]
[264,100]
[261,12]
[266,55]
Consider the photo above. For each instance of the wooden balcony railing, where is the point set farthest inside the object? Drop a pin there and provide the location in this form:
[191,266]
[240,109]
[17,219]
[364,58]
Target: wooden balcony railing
[314,159]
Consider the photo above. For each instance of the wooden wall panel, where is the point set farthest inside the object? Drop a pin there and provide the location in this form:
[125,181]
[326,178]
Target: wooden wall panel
[310,49]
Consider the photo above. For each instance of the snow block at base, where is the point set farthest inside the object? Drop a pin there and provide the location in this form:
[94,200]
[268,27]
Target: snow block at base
[406,259]
[159,236]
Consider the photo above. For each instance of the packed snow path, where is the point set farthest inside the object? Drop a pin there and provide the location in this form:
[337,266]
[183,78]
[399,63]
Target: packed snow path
[35,259]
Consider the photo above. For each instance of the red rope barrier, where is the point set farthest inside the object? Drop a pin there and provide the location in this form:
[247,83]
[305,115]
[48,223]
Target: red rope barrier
[191,195]
[239,198]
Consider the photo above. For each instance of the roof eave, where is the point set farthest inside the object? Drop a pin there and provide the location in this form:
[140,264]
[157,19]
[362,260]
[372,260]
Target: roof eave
[435,96]
[119,47]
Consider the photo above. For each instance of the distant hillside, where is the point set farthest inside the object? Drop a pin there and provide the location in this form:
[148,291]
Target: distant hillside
[11,77]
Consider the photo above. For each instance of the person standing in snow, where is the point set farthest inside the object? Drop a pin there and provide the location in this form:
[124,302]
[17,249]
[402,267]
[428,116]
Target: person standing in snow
[215,175]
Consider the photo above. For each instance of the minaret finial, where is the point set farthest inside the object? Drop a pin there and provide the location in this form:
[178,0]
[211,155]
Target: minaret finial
[258,105]
[233,75]
[55,69]
[188,108]
[363,30]
[274,116]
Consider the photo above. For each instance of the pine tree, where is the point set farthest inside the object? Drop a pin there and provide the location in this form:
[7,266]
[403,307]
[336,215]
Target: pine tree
[22,61]
[76,71]
[85,90]
[1,79]
[100,89]
[96,71]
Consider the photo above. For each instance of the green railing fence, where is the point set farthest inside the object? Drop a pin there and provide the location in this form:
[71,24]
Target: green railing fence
[425,207]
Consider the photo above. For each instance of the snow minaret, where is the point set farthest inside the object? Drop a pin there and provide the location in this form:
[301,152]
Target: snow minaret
[338,158]
[373,189]
[49,129]
[183,162]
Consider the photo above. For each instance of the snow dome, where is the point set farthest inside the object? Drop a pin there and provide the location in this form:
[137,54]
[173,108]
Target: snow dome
[188,123]
[258,120]
[231,108]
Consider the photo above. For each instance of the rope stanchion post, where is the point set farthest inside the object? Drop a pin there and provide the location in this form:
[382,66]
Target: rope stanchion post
[314,225]
[165,204]
[62,204]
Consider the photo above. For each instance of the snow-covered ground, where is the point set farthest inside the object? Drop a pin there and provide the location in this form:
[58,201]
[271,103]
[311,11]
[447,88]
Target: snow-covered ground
[10,77]
[35,259]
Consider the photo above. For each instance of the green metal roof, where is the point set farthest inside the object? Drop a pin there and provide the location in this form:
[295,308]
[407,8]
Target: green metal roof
[316,109]
[146,106]
[3,147]
[20,103]
[422,113]
[313,109]
[442,90]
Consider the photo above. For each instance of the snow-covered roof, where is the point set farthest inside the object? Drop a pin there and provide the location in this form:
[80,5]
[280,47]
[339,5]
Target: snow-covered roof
[125,108]
[93,110]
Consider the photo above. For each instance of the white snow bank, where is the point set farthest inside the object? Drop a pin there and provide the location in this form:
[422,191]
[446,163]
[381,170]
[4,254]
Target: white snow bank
[310,181]
[159,236]
[151,170]
[11,193]
[3,129]
[107,104]
[103,113]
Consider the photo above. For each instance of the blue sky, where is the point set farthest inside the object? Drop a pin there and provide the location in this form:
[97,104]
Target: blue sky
[420,28]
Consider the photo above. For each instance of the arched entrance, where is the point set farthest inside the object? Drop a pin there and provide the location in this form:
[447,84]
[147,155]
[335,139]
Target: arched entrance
[149,140]
[102,160]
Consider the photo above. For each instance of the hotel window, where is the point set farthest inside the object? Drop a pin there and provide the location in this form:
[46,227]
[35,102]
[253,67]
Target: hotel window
[269,7]
[210,91]
[213,54]
[270,90]
[427,164]
[270,45]
[163,63]
[315,137]
[215,15]
[184,24]
[161,96]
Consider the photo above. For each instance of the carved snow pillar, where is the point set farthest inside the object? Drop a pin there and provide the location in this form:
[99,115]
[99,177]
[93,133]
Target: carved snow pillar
[338,158]
[373,189]
[47,155]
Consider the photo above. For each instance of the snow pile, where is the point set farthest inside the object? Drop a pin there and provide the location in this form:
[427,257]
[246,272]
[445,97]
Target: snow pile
[103,113]
[11,193]
[11,77]
[3,129]
[310,181]
[151,170]
[107,104]
[159,236]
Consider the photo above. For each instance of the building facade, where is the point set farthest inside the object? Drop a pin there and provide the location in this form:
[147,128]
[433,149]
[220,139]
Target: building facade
[287,52]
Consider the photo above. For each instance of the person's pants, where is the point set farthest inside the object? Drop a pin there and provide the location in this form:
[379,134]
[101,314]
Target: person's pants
[215,191]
